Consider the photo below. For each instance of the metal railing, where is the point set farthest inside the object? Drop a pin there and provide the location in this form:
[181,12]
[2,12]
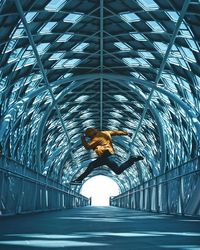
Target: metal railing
[175,192]
[23,190]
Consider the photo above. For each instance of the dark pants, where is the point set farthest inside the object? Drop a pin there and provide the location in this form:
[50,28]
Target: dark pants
[108,160]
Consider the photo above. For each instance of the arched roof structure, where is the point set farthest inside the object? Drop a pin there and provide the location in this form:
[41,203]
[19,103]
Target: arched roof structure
[131,65]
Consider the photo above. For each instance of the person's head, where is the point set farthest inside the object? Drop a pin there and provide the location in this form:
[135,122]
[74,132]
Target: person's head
[91,132]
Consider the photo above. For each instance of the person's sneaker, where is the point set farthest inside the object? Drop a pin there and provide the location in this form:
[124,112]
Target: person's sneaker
[135,158]
[76,182]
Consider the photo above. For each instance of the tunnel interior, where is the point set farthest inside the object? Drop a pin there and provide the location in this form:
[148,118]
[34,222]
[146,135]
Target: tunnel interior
[114,65]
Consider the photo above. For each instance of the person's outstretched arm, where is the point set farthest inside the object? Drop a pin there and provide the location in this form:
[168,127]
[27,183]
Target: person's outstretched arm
[119,132]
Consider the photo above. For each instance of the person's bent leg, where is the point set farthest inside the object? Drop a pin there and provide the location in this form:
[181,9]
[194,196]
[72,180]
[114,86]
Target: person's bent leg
[130,162]
[111,163]
[92,165]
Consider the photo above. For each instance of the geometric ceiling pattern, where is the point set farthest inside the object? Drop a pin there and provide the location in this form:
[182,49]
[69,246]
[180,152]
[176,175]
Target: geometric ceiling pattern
[131,65]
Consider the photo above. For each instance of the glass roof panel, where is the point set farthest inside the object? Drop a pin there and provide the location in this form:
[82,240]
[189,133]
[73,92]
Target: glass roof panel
[55,5]
[66,75]
[60,64]
[132,62]
[20,64]
[122,46]
[10,46]
[120,98]
[187,53]
[116,115]
[80,47]
[18,32]
[173,15]
[66,63]
[64,37]
[146,54]
[82,98]
[30,16]
[161,47]
[193,45]
[138,36]
[56,56]
[42,48]
[155,26]
[73,17]
[148,5]
[15,55]
[185,31]
[47,28]
[138,75]
[129,17]
[72,63]
[29,61]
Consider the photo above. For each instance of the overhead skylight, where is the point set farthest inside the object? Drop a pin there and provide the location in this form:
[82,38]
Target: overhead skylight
[187,53]
[47,28]
[155,26]
[66,63]
[161,47]
[120,98]
[72,63]
[73,17]
[85,116]
[138,37]
[28,52]
[10,46]
[122,46]
[143,62]
[65,37]
[20,64]
[88,123]
[148,5]
[81,98]
[55,5]
[42,48]
[18,32]
[146,54]
[56,56]
[130,61]
[60,64]
[178,62]
[129,17]
[80,47]
[116,115]
[134,62]
[30,61]
[30,16]
[113,123]
[173,15]
[137,75]
[66,75]
[15,55]
[193,45]
[184,30]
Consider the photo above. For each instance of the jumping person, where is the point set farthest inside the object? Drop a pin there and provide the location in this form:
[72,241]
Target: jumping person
[101,143]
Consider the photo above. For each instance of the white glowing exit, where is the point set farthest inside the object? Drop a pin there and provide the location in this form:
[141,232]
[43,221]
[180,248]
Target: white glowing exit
[100,188]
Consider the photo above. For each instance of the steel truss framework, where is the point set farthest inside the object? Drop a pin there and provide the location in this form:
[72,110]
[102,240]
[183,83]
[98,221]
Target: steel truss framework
[68,65]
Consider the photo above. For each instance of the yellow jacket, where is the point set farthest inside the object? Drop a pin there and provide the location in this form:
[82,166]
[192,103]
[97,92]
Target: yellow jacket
[102,141]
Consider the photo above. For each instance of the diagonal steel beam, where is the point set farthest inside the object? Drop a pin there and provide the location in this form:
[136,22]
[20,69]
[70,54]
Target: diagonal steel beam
[164,61]
[101,61]
[41,67]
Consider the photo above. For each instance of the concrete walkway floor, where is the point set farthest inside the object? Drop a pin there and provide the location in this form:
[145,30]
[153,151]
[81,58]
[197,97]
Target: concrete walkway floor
[99,228]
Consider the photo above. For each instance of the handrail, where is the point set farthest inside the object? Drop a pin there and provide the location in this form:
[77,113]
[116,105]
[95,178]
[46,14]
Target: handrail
[137,188]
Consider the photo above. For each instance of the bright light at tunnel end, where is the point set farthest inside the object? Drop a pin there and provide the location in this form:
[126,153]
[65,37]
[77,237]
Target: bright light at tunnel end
[100,188]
